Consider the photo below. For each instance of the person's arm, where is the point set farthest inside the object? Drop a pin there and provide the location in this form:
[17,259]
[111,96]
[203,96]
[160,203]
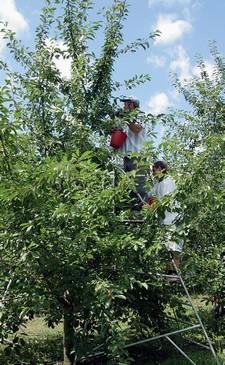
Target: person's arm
[135,127]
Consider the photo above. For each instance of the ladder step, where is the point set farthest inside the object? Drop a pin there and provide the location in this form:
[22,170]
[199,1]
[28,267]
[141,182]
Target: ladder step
[133,221]
[171,278]
[163,335]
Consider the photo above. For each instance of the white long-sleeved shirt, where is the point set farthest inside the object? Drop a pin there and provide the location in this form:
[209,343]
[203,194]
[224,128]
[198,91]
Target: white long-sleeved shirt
[162,188]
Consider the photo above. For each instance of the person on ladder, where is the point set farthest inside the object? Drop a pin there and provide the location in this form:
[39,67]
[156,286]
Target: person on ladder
[136,137]
[164,185]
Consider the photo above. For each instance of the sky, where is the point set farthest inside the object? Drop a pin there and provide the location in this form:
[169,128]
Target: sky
[186,28]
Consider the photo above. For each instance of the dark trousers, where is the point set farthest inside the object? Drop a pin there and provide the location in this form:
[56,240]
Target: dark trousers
[130,164]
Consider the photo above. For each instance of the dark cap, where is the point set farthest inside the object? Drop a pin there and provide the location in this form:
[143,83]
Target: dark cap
[136,102]
[162,165]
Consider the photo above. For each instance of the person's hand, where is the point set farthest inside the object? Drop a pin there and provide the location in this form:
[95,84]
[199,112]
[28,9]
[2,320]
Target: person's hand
[150,202]
[146,205]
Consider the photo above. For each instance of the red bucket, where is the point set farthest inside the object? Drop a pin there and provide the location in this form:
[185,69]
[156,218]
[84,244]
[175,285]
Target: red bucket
[118,137]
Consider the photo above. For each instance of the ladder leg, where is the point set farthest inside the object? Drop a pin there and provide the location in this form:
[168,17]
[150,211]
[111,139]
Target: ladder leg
[196,312]
[180,350]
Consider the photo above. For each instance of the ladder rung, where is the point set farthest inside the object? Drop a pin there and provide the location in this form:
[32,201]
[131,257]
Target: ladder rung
[163,335]
[169,276]
[133,221]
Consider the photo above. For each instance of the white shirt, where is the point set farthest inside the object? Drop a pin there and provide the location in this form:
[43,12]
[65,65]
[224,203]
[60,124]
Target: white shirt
[162,188]
[134,142]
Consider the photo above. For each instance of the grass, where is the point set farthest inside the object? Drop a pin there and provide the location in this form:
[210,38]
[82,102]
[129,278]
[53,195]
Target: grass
[170,356]
[200,358]
[37,328]
[40,345]
[37,344]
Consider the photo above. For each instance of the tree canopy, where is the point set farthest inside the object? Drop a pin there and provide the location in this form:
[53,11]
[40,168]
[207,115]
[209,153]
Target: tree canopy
[65,249]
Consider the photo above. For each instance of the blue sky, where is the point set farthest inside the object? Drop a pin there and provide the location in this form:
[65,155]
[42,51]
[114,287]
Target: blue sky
[186,27]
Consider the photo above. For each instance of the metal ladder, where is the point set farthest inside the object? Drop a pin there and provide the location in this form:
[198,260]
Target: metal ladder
[168,335]
[199,323]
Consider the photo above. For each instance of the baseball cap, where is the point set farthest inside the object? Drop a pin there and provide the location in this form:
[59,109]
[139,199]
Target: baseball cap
[131,99]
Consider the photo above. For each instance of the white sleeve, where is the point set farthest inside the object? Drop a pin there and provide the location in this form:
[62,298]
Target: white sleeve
[169,186]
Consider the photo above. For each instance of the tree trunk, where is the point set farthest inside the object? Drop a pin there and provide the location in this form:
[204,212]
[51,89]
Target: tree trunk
[68,334]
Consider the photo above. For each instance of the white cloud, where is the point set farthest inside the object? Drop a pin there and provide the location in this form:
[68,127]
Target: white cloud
[209,68]
[184,69]
[171,29]
[181,64]
[158,61]
[159,103]
[64,67]
[168,2]
[16,21]
[63,64]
